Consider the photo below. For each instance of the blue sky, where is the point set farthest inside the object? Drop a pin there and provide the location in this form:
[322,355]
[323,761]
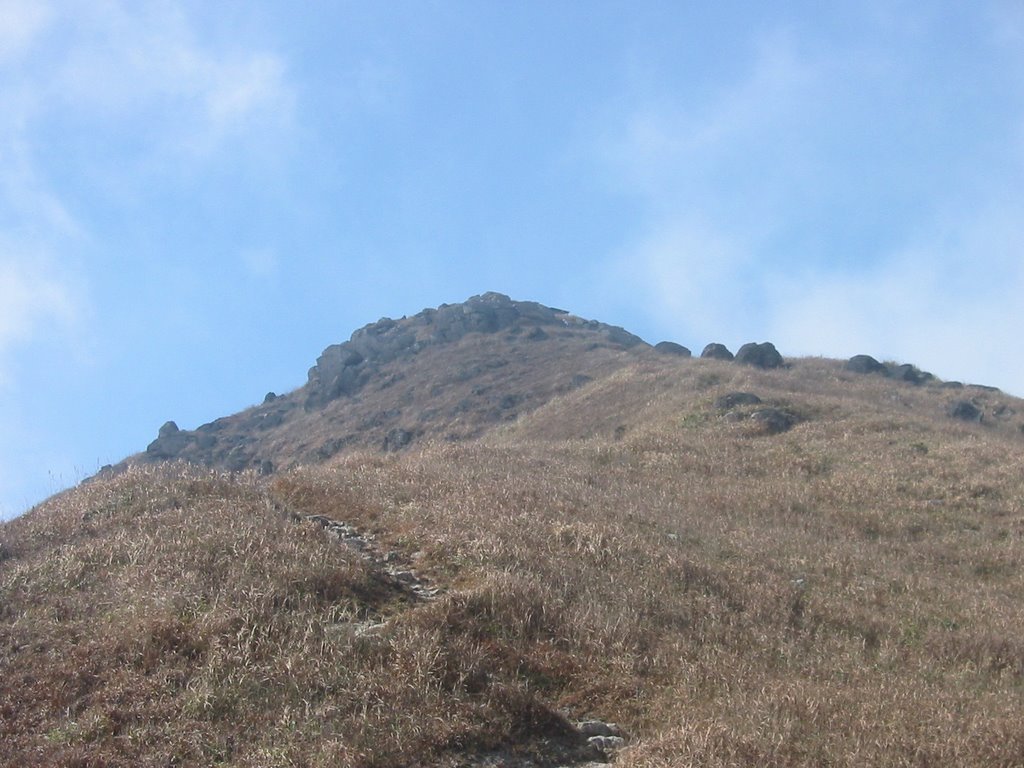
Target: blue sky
[196,198]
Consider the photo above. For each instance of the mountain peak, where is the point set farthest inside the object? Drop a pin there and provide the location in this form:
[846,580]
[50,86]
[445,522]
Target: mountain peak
[447,372]
[343,369]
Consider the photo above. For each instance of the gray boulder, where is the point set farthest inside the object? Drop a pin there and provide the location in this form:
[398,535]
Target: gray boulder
[965,410]
[910,374]
[866,364]
[671,348]
[773,421]
[590,728]
[606,743]
[716,351]
[763,355]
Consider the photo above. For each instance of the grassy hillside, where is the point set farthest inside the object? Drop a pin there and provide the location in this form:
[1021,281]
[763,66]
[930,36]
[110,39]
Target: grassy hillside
[846,593]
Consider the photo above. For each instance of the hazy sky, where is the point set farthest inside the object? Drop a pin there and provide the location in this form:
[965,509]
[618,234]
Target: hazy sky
[197,197]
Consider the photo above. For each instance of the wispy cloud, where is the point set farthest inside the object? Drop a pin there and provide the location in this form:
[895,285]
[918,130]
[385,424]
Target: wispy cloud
[260,263]
[139,70]
[805,202]
[683,271]
[145,62]
[23,20]
[34,299]
[950,299]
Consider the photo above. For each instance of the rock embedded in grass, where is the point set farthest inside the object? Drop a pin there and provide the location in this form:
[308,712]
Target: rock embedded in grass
[729,401]
[605,743]
[773,421]
[590,728]
[965,410]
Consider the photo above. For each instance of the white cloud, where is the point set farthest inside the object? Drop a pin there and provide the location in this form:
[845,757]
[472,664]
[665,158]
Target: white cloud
[949,303]
[260,263]
[677,151]
[22,22]
[241,88]
[34,299]
[145,63]
[682,272]
[27,203]
[745,192]
[138,70]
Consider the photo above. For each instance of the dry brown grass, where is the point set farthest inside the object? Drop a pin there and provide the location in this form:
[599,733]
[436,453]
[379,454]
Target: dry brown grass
[848,593]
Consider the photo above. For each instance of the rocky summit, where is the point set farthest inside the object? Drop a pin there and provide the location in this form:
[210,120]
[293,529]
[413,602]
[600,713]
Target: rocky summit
[446,373]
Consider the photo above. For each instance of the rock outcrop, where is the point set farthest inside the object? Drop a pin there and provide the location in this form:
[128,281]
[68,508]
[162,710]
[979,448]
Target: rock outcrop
[395,381]
[169,443]
[344,369]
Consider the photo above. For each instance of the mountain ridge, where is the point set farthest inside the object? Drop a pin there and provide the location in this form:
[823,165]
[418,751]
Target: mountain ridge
[448,373]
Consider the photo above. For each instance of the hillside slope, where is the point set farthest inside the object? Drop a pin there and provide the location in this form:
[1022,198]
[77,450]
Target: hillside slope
[642,546]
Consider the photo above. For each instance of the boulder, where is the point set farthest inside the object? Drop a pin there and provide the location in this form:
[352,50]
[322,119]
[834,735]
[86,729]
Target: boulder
[671,348]
[910,374]
[271,397]
[866,364]
[716,351]
[606,743]
[169,428]
[772,421]
[590,728]
[397,439]
[965,410]
[733,399]
[763,355]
